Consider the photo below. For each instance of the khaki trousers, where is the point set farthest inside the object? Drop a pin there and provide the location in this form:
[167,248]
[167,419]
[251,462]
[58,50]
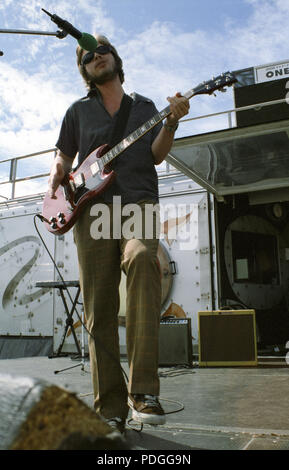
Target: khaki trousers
[100,265]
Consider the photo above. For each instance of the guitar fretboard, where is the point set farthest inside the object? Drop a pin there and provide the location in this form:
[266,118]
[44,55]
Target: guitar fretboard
[138,133]
[223,80]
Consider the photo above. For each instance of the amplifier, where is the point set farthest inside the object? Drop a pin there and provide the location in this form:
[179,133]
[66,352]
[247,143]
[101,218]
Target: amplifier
[175,342]
[227,338]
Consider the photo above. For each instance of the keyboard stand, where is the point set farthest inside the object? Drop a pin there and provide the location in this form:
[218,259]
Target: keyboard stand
[69,314]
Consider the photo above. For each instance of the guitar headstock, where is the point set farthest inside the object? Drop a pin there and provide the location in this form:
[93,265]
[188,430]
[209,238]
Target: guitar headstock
[216,83]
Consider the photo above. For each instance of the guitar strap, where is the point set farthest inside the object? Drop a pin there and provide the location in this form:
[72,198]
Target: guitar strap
[121,121]
[119,127]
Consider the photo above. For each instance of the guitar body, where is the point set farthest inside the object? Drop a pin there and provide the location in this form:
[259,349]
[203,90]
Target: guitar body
[75,191]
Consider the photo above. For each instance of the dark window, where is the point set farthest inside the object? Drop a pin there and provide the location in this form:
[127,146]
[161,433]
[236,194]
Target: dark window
[255,258]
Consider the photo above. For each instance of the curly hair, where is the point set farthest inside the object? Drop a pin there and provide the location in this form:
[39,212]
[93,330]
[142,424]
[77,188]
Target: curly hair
[79,53]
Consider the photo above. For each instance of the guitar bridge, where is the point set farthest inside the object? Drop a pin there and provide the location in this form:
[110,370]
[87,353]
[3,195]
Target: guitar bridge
[79,181]
[75,190]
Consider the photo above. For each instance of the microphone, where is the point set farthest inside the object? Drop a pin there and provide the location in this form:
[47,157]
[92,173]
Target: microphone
[85,40]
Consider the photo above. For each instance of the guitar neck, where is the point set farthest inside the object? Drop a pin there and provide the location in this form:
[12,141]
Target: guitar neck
[138,133]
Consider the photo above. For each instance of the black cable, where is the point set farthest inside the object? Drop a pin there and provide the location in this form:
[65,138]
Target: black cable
[96,340]
[177,371]
[181,406]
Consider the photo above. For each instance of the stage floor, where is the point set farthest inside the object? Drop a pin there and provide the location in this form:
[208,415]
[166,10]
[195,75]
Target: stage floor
[244,408]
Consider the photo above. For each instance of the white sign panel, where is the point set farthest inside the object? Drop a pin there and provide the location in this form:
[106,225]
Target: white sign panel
[277,71]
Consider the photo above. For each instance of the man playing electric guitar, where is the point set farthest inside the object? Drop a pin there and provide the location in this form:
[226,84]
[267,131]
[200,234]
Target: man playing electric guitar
[89,123]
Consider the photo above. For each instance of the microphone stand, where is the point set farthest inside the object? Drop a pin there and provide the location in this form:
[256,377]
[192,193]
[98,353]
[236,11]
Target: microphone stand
[60,34]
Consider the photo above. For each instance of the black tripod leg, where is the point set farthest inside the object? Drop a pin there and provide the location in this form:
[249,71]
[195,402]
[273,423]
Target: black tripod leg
[68,368]
[69,322]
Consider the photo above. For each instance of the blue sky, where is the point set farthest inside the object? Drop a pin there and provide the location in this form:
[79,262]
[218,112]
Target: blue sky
[186,15]
[166,46]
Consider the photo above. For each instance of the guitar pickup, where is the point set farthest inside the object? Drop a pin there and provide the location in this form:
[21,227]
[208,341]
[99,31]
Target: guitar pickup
[96,167]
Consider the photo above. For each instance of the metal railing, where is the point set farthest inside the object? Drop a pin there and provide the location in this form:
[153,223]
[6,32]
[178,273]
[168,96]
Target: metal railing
[13,179]
[256,107]
[166,170]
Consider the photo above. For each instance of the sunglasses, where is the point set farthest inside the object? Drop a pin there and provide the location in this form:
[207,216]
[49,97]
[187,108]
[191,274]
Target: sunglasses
[88,57]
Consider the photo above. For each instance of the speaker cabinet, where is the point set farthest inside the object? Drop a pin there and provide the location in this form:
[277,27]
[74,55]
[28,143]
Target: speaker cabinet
[261,93]
[227,338]
[175,342]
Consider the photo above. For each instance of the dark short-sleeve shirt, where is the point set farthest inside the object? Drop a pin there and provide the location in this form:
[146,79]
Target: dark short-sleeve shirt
[87,125]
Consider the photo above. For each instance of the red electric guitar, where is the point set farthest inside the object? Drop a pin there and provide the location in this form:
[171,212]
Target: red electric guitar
[93,176]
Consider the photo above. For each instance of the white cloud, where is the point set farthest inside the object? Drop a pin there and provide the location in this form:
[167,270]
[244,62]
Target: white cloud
[31,108]
[163,59]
